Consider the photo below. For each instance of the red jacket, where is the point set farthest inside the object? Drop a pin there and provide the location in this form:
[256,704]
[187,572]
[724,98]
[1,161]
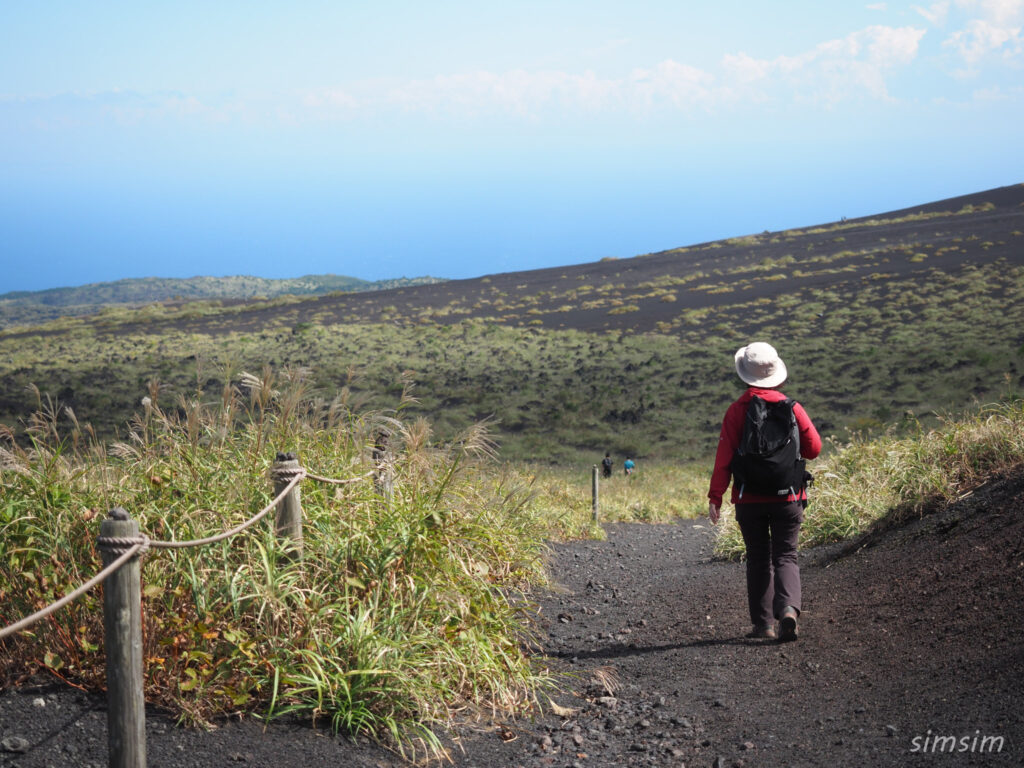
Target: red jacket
[732,430]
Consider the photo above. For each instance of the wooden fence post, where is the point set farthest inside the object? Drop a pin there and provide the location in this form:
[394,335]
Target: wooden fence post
[122,628]
[593,490]
[288,515]
[383,463]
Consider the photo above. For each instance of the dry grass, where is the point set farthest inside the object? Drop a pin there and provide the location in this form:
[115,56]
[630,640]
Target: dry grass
[864,481]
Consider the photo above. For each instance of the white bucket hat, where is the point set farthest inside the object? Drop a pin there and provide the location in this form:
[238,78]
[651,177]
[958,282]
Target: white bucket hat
[759,365]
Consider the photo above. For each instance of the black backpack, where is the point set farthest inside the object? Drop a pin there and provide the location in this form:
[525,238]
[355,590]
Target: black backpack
[767,461]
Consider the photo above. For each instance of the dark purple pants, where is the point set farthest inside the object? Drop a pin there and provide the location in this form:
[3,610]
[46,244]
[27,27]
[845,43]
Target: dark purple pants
[773,576]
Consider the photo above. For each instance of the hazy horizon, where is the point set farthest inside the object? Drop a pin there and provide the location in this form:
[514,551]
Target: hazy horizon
[464,277]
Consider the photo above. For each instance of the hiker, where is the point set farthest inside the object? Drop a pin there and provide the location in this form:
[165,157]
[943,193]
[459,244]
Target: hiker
[607,464]
[629,465]
[769,518]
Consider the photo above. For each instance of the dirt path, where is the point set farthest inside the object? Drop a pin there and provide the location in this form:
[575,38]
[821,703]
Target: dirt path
[913,640]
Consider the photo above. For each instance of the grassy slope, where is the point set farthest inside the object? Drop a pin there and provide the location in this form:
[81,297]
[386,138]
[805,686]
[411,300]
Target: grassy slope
[30,307]
[879,319]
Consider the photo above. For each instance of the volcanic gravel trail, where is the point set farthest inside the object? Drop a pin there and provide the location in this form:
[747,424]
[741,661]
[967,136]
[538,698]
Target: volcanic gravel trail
[911,653]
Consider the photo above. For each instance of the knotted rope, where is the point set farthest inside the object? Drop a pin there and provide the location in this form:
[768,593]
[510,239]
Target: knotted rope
[132,547]
[311,476]
[129,547]
[295,474]
[287,469]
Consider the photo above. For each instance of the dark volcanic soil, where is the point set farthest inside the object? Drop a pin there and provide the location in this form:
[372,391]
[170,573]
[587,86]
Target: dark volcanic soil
[909,635]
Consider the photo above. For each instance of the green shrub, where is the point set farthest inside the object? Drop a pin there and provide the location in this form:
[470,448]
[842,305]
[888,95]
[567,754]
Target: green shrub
[402,612]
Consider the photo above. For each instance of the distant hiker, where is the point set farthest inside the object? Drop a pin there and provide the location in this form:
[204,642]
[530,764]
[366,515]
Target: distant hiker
[768,491]
[629,466]
[606,465]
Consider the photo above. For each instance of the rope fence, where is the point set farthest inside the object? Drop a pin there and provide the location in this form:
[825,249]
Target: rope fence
[137,547]
[347,481]
[237,529]
[122,544]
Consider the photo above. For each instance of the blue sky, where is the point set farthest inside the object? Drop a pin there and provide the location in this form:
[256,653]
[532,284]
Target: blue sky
[387,139]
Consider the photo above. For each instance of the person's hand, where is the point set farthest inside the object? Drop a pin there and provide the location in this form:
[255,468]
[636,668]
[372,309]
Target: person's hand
[714,512]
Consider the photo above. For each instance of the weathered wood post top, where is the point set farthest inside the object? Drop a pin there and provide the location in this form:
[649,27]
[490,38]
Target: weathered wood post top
[288,516]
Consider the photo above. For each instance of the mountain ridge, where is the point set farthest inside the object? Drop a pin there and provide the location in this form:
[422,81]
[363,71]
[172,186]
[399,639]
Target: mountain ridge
[29,307]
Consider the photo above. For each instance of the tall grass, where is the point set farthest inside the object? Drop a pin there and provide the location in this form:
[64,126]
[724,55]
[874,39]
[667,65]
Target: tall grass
[656,492]
[860,483]
[406,612]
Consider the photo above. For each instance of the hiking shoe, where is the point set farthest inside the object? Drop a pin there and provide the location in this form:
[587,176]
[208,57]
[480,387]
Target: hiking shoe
[766,631]
[788,629]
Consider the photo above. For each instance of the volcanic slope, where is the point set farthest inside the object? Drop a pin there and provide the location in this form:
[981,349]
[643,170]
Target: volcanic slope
[905,246]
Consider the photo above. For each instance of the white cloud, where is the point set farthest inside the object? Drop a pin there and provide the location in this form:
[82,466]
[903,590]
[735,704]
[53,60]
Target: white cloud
[831,72]
[999,12]
[888,46]
[878,7]
[519,92]
[670,82]
[994,28]
[835,69]
[980,38]
[850,68]
[935,13]
[746,69]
